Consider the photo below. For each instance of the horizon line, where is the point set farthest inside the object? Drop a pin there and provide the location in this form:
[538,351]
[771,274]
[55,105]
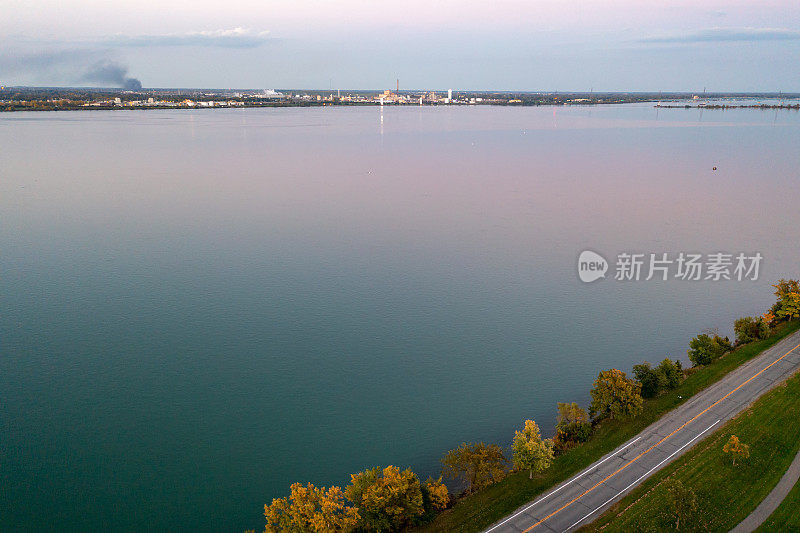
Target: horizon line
[418,89]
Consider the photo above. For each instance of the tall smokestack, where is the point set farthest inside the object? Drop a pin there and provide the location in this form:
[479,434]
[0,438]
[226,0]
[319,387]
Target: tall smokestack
[398,85]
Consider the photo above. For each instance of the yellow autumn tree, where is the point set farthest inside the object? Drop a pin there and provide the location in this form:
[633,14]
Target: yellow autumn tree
[438,495]
[477,464]
[387,499]
[615,395]
[531,452]
[736,449]
[788,305]
[311,509]
[572,427]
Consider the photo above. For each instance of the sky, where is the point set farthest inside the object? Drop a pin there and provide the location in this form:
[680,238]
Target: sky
[516,45]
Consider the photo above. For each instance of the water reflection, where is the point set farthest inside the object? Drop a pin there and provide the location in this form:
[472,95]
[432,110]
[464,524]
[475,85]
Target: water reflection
[194,298]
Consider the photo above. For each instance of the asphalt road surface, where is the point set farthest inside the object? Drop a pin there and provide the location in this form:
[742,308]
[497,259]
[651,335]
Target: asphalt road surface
[584,497]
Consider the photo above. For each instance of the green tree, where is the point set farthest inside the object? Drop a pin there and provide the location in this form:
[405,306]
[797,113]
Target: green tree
[651,379]
[311,509]
[387,499]
[749,329]
[477,464]
[705,348]
[683,501]
[615,395]
[531,452]
[672,371]
[736,449]
[572,426]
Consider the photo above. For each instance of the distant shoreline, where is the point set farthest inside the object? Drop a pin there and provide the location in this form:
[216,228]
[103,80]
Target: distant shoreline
[13,99]
[277,106]
[11,108]
[14,108]
[728,106]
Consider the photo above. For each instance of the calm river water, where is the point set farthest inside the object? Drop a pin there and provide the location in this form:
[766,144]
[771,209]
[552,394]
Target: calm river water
[202,307]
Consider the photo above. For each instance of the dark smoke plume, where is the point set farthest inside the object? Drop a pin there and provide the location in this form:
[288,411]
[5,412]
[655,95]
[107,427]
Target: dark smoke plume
[113,73]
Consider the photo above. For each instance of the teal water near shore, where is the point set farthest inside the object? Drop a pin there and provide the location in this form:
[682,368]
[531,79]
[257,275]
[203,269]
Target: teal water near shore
[202,307]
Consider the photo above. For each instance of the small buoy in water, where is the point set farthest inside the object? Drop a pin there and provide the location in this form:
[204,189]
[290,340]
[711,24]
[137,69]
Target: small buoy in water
[715,168]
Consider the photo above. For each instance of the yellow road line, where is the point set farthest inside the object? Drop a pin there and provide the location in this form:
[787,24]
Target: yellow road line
[648,450]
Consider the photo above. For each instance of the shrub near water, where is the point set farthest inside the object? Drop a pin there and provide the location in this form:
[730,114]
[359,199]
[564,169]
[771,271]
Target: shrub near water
[667,375]
[311,509]
[673,372]
[435,497]
[384,500]
[651,380]
[749,329]
[478,465]
[573,426]
[706,348]
[387,499]
[615,395]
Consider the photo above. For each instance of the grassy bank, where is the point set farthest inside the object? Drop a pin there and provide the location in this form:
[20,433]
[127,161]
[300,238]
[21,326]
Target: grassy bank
[481,509]
[726,494]
[786,517]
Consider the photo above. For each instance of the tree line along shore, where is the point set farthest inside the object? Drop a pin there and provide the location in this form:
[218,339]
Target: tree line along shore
[489,484]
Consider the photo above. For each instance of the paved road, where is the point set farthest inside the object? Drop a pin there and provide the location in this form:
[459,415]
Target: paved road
[584,497]
[773,499]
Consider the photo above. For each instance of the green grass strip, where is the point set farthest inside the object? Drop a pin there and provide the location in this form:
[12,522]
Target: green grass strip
[787,516]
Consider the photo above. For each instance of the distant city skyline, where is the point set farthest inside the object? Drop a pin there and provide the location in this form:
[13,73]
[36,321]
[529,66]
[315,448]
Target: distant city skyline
[512,45]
